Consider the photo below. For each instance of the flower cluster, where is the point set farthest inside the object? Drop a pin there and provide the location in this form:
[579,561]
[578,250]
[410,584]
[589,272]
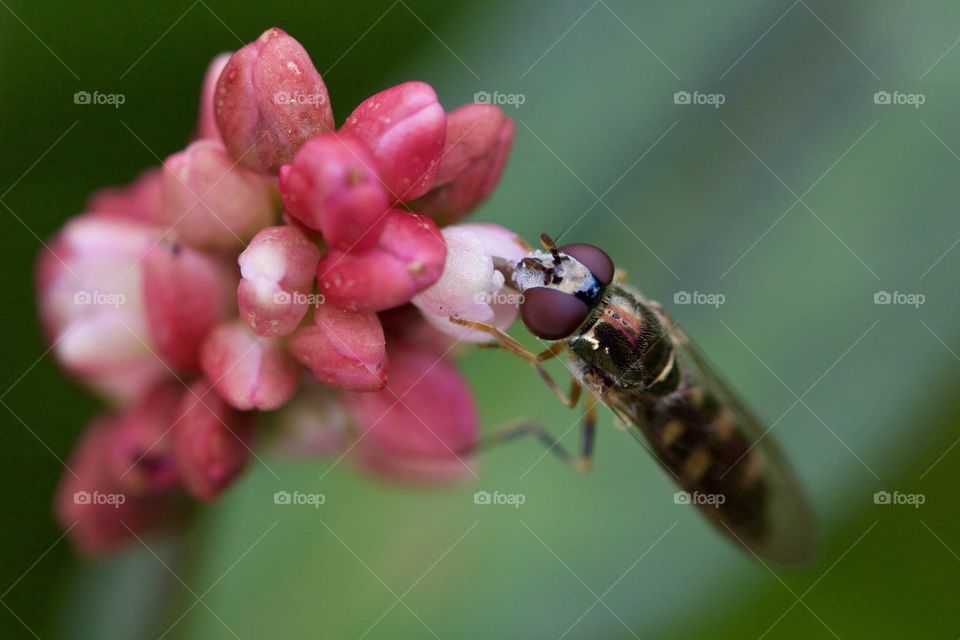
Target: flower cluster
[277,264]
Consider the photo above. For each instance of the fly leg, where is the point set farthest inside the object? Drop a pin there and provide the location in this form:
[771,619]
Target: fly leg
[507,343]
[510,432]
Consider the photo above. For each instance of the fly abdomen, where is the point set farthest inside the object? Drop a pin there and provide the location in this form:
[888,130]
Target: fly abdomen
[699,441]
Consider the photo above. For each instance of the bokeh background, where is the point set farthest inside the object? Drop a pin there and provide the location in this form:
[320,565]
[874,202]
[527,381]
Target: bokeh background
[798,200]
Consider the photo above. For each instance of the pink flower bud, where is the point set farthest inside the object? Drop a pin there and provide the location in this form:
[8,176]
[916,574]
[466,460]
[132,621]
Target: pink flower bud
[270,100]
[479,137]
[408,258]
[410,326]
[470,287]
[186,293]
[141,449]
[332,186]
[422,426]
[91,501]
[90,291]
[211,441]
[210,201]
[279,267]
[207,117]
[312,424]
[405,127]
[344,349]
[142,199]
[248,371]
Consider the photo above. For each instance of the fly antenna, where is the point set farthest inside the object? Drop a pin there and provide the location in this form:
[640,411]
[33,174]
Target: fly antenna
[536,265]
[550,246]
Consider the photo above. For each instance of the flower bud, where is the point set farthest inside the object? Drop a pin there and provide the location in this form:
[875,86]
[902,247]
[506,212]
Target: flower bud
[90,291]
[141,449]
[91,502]
[332,186]
[210,201]
[186,293]
[211,441]
[248,371]
[279,267]
[405,127]
[142,199]
[408,258]
[207,117]
[470,287]
[408,324]
[344,349]
[479,137]
[270,99]
[422,426]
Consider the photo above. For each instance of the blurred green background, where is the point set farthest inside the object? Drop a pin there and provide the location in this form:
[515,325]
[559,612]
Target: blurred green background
[798,199]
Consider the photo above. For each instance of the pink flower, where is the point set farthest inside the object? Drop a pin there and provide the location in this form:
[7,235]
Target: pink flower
[270,99]
[116,301]
[211,441]
[343,349]
[91,500]
[210,201]
[140,452]
[408,258]
[332,186]
[343,294]
[405,127]
[207,116]
[471,288]
[478,143]
[248,371]
[422,426]
[279,267]
[90,285]
[408,325]
[186,293]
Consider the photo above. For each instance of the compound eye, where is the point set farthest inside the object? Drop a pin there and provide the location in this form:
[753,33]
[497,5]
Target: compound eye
[551,314]
[599,263]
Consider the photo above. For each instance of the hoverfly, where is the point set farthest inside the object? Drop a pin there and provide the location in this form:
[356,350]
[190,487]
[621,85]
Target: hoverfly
[634,359]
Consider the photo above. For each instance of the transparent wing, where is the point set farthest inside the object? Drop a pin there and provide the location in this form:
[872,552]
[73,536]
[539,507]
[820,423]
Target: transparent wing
[723,458]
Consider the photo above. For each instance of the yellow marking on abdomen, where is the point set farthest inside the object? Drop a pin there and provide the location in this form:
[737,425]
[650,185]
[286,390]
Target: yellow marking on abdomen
[671,432]
[696,464]
[723,425]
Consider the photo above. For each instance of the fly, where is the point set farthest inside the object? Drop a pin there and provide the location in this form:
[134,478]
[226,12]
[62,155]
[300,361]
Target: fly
[634,359]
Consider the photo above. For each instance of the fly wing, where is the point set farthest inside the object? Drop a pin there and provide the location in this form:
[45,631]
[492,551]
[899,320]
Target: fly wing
[724,459]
